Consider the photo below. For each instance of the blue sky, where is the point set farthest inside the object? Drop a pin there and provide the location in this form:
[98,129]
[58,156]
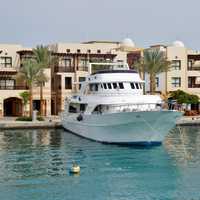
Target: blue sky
[147,22]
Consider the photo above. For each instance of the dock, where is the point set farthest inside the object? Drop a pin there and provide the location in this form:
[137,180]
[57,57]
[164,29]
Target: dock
[11,123]
[189,121]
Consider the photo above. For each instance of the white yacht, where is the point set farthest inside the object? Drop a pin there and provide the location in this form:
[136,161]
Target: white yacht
[111,108]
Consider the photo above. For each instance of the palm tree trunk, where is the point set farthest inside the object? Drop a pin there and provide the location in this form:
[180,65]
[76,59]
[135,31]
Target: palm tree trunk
[152,83]
[41,99]
[31,101]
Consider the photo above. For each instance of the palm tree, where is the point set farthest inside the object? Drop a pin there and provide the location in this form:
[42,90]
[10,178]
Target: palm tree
[29,72]
[25,96]
[40,80]
[43,59]
[153,62]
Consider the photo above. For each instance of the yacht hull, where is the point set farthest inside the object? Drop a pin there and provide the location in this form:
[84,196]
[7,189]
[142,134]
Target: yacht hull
[142,128]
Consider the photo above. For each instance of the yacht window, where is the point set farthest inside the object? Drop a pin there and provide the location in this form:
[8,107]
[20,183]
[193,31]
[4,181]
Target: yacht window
[97,110]
[121,85]
[140,84]
[114,85]
[105,86]
[109,86]
[101,85]
[132,85]
[83,107]
[73,108]
[137,85]
[76,107]
[96,87]
[93,87]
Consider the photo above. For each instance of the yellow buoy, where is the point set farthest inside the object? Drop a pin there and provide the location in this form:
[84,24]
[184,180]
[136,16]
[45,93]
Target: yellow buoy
[75,169]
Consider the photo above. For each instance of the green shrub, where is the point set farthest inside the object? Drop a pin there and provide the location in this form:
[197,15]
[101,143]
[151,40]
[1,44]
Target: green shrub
[39,118]
[183,97]
[24,119]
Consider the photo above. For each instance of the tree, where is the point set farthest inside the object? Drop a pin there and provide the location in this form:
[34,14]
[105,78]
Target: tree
[139,66]
[183,97]
[40,80]
[153,62]
[43,59]
[25,97]
[29,72]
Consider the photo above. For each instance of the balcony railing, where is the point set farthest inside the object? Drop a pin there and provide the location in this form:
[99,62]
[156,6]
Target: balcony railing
[70,69]
[7,68]
[64,69]
[15,87]
[193,68]
[83,68]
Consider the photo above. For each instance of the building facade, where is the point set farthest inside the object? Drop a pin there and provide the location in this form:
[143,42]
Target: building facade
[11,104]
[73,63]
[184,73]
[70,68]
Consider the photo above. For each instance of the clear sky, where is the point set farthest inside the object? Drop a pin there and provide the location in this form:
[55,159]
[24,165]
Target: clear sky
[147,22]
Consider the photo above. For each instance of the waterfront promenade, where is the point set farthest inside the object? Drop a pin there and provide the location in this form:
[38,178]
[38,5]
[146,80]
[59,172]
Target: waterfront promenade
[11,123]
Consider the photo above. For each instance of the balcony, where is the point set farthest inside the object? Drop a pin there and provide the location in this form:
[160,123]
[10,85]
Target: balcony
[82,68]
[64,69]
[195,68]
[14,87]
[7,69]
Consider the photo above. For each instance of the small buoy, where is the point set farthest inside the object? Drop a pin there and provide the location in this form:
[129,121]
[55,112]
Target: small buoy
[75,169]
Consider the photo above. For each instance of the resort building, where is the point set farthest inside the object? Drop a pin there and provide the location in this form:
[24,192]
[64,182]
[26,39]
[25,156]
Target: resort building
[73,63]
[11,59]
[184,73]
[63,77]
[72,67]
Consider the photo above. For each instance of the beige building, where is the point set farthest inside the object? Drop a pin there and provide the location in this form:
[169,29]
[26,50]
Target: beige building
[74,59]
[184,73]
[11,58]
[63,78]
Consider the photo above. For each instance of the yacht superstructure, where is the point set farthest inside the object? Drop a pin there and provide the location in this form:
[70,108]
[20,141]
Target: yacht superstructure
[111,108]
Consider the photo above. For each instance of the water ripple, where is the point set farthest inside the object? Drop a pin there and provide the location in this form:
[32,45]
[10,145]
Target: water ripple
[34,164]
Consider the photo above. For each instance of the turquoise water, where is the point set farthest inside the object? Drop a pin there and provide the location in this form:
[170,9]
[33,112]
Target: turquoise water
[34,164]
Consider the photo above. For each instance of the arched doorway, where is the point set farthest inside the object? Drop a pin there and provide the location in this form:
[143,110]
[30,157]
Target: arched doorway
[12,107]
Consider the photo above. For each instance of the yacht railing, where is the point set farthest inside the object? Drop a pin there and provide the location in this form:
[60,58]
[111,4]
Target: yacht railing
[138,107]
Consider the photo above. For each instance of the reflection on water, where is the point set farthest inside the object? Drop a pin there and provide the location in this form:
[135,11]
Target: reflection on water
[34,164]
[183,144]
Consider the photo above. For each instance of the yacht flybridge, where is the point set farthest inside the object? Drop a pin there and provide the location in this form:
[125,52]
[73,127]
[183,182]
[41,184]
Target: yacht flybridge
[111,108]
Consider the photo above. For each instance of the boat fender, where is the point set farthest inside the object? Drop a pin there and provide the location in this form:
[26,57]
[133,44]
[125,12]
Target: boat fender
[80,118]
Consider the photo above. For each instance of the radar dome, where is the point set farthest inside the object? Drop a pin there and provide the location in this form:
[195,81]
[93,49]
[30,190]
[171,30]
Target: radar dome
[178,44]
[127,42]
